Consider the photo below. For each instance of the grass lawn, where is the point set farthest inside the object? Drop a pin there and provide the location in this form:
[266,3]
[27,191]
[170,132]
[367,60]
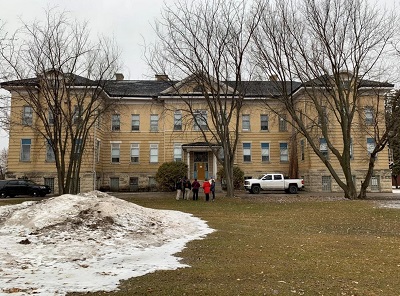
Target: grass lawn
[280,246]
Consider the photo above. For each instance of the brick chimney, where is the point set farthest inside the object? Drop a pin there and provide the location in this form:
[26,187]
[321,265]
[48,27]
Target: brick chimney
[119,76]
[161,77]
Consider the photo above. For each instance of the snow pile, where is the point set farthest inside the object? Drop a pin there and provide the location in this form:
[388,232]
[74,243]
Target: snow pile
[88,242]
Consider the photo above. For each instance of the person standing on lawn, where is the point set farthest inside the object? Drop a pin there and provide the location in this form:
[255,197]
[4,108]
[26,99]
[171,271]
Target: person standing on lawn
[195,189]
[206,188]
[178,187]
[212,188]
[188,188]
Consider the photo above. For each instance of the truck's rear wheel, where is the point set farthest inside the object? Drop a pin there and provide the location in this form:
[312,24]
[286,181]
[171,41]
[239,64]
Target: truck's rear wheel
[292,189]
[255,189]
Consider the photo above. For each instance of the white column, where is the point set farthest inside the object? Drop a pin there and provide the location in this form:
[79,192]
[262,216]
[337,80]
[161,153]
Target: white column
[214,166]
[188,163]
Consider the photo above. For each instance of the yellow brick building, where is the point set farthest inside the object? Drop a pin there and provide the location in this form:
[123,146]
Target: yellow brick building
[149,126]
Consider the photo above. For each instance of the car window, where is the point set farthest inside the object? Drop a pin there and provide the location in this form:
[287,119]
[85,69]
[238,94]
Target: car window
[13,182]
[278,177]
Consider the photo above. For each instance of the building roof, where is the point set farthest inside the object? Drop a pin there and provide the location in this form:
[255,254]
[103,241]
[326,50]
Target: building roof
[155,88]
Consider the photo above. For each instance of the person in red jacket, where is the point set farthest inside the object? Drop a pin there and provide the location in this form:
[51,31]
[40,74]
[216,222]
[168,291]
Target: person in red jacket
[206,188]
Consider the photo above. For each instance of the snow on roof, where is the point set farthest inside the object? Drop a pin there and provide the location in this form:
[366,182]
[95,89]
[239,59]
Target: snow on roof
[88,242]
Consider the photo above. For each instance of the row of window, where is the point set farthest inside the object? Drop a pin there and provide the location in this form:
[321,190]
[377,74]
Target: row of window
[265,152]
[200,120]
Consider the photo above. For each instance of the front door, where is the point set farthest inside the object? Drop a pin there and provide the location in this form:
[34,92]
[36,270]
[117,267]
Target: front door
[201,170]
[200,165]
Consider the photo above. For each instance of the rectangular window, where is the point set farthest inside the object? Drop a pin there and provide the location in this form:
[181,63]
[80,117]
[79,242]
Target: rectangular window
[76,116]
[264,122]
[302,149]
[323,116]
[200,120]
[135,153]
[50,156]
[177,121]
[323,147]
[284,153]
[27,116]
[49,182]
[245,122]
[25,149]
[115,152]
[370,145]
[177,152]
[369,115]
[246,152]
[326,184]
[154,122]
[282,123]
[351,149]
[135,122]
[116,122]
[153,153]
[374,183]
[264,152]
[51,117]
[78,147]
[97,155]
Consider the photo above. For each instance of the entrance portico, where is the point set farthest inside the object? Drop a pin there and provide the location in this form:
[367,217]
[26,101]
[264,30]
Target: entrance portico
[201,161]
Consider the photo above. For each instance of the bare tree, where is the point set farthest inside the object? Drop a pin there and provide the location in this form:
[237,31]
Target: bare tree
[61,75]
[3,163]
[334,48]
[207,42]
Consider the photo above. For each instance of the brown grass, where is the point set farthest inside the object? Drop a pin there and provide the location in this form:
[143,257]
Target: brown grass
[280,246]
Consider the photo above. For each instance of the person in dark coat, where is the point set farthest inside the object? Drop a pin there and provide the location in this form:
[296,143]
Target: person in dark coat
[206,188]
[178,187]
[212,188]
[188,188]
[195,189]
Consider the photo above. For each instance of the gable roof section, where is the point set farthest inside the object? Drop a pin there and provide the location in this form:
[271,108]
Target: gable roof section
[323,81]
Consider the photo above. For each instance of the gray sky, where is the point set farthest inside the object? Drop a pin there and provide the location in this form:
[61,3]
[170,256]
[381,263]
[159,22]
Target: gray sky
[128,21]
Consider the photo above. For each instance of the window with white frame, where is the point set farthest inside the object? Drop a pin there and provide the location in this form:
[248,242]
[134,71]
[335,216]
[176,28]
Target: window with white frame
[97,155]
[370,145]
[135,122]
[116,122]
[115,152]
[135,150]
[51,117]
[76,117]
[177,152]
[284,152]
[27,116]
[369,115]
[265,152]
[246,152]
[282,123]
[153,153]
[264,122]
[177,120]
[50,156]
[78,147]
[323,147]
[245,122]
[351,149]
[25,150]
[154,122]
[200,120]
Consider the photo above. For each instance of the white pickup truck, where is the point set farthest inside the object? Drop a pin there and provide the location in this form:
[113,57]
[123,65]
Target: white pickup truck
[273,181]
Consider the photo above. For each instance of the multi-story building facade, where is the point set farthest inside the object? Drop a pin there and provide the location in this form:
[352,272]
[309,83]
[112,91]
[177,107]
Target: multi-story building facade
[149,126]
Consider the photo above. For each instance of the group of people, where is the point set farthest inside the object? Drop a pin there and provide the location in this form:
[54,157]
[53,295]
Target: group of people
[184,186]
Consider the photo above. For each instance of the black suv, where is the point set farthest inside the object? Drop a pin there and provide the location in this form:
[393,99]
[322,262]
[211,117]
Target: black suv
[12,188]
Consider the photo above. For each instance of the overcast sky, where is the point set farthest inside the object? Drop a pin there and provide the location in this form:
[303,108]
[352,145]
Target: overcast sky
[129,21]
